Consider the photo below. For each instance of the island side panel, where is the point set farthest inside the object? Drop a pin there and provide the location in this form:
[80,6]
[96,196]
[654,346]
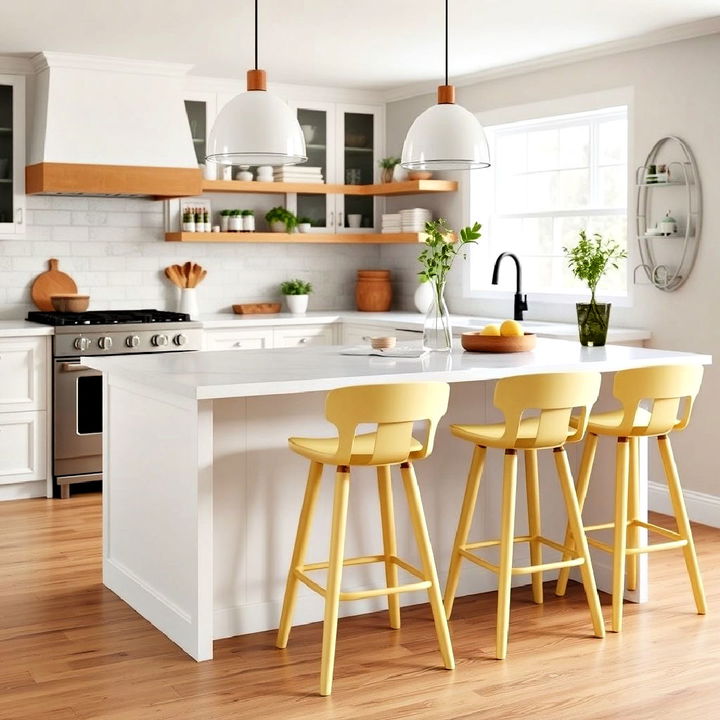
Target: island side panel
[158,509]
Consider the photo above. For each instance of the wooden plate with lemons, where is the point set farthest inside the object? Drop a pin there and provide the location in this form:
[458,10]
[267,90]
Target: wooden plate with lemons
[508,337]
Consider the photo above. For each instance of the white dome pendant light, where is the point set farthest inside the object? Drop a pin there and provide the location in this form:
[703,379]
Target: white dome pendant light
[446,136]
[256,128]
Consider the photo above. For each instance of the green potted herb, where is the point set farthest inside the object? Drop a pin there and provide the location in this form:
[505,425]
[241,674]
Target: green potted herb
[304,225]
[248,220]
[297,293]
[281,219]
[589,261]
[441,249]
[235,224]
[225,220]
[388,165]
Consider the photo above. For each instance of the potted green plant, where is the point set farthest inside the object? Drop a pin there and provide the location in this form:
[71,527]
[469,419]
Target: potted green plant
[225,220]
[281,219]
[235,224]
[589,261]
[304,225]
[297,293]
[248,220]
[441,249]
[387,165]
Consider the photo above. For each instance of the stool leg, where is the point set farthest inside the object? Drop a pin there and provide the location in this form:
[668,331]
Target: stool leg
[506,553]
[417,515]
[534,522]
[633,531]
[581,545]
[620,537]
[387,517]
[682,521]
[298,557]
[583,483]
[334,577]
[463,529]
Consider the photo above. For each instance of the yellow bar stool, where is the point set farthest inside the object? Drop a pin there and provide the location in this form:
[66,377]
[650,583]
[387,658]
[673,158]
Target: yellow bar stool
[393,409]
[537,410]
[669,391]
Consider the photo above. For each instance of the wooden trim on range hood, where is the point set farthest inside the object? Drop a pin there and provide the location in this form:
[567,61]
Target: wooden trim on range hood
[123,180]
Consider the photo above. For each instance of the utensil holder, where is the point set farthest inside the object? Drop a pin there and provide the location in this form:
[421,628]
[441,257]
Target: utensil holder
[188,302]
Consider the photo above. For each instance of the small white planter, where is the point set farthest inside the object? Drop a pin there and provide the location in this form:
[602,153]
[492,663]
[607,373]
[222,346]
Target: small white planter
[304,227]
[224,223]
[278,226]
[235,224]
[297,304]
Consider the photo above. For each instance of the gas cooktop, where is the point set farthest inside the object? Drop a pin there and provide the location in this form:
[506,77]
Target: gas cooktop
[107,317]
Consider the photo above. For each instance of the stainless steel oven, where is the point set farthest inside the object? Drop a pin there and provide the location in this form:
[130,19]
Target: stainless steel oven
[77,390]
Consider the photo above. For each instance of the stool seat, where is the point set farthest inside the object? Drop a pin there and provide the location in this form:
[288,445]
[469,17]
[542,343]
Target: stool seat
[495,435]
[324,450]
[608,423]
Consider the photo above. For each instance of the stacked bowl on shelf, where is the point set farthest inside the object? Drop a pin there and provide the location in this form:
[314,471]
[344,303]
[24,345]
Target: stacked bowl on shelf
[298,173]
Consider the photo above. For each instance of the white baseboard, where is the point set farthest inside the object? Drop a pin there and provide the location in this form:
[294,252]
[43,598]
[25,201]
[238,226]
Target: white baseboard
[701,507]
[23,491]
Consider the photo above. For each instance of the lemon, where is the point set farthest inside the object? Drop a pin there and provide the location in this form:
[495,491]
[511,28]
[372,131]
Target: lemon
[511,328]
[490,330]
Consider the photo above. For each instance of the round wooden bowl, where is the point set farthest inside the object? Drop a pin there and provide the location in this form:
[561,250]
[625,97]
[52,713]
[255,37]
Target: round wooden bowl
[419,175]
[380,342]
[475,342]
[68,302]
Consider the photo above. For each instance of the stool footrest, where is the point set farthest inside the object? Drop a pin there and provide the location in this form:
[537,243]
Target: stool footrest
[301,574]
[676,540]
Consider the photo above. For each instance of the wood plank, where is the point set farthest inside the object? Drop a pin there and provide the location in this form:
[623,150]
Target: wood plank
[296,238]
[71,649]
[82,179]
[409,187]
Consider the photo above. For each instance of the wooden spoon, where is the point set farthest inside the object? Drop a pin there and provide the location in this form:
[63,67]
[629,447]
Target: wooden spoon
[187,267]
[174,275]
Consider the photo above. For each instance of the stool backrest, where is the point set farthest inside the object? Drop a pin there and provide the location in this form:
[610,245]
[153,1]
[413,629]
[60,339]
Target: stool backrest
[666,388]
[554,396]
[393,409]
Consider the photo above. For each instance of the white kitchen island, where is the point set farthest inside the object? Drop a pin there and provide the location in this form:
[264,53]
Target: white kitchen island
[201,494]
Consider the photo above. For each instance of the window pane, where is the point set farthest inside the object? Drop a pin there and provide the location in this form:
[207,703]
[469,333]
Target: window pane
[543,149]
[574,146]
[612,142]
[511,195]
[511,153]
[559,190]
[612,186]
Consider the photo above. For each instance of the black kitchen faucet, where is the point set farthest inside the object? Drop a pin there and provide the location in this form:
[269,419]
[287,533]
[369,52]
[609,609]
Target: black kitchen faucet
[520,299]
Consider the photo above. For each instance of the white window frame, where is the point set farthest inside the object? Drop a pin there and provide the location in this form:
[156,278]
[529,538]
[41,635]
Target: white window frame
[542,110]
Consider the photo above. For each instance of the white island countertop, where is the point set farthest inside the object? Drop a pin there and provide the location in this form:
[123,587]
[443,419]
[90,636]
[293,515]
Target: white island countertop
[225,374]
[23,328]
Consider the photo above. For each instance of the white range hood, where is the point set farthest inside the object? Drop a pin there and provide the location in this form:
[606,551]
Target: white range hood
[109,126]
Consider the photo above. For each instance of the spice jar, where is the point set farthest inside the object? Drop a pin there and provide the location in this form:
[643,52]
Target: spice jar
[373,292]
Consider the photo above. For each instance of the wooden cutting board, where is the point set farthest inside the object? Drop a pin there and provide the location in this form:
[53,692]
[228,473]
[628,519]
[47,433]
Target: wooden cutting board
[49,283]
[256,308]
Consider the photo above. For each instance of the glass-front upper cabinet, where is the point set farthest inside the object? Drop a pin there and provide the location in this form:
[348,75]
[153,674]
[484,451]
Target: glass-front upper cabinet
[317,121]
[359,131]
[12,155]
[200,110]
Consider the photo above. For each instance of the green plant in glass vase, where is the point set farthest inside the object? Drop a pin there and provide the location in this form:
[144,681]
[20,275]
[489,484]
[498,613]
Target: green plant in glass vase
[589,261]
[441,249]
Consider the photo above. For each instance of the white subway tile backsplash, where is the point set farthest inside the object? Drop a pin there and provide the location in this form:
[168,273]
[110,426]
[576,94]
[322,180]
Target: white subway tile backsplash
[115,250]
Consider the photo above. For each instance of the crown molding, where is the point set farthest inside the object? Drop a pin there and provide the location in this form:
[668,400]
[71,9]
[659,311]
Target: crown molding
[16,65]
[46,59]
[674,33]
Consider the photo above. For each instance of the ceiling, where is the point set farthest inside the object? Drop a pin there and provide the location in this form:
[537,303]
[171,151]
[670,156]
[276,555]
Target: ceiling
[371,44]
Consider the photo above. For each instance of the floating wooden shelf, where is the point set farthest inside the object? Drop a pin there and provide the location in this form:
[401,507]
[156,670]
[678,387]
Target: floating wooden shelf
[409,187]
[294,238]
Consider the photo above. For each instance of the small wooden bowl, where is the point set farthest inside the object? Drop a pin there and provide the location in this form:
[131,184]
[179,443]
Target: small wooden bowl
[475,342]
[381,342]
[68,302]
[419,175]
[265,308]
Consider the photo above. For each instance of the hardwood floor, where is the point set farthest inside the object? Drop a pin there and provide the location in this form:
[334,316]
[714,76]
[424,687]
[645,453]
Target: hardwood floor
[71,650]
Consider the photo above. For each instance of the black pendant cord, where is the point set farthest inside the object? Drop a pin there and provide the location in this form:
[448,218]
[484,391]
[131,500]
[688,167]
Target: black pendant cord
[256,34]
[446,41]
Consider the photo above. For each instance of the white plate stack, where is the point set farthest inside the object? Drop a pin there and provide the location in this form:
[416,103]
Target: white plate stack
[391,223]
[414,219]
[298,173]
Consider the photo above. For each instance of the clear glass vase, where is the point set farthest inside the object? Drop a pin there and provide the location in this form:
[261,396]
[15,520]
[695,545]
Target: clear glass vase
[437,333]
[593,319]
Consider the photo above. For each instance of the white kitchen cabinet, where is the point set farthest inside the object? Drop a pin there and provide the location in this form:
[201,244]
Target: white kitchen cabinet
[346,141]
[23,447]
[12,155]
[24,371]
[299,336]
[359,334]
[257,338]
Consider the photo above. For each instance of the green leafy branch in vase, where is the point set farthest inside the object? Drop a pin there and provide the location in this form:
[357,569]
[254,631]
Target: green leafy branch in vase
[441,249]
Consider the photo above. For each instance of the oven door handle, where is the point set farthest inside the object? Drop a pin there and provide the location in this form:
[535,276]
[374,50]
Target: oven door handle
[68,367]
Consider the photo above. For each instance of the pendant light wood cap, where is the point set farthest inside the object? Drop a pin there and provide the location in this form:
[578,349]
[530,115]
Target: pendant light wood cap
[446,94]
[256,80]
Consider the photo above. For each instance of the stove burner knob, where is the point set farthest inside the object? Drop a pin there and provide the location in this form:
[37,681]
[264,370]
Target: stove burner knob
[180,339]
[82,344]
[105,343]
[132,341]
[159,340]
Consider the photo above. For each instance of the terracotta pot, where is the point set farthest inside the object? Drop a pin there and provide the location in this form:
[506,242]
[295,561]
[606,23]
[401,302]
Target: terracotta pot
[373,292]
